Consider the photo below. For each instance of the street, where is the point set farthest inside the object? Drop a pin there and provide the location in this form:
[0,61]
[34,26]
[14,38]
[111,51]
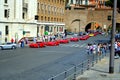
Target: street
[42,63]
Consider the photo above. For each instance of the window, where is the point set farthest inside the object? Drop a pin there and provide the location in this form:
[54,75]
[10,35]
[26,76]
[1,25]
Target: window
[42,18]
[6,13]
[48,18]
[6,30]
[23,16]
[45,18]
[38,8]
[6,1]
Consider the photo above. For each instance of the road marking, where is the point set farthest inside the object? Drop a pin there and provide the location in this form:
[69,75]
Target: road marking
[74,45]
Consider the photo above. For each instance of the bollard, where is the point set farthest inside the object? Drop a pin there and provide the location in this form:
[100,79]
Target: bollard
[74,77]
[93,61]
[65,74]
[82,68]
[52,78]
[119,67]
[88,65]
[96,57]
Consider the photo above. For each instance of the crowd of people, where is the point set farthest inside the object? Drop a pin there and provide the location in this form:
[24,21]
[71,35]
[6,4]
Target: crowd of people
[100,48]
[103,48]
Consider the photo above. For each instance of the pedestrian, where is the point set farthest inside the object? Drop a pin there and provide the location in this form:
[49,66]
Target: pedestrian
[99,49]
[94,48]
[5,39]
[105,48]
[26,40]
[88,49]
[91,48]
[102,49]
[46,39]
[22,43]
[116,47]
[12,40]
[34,40]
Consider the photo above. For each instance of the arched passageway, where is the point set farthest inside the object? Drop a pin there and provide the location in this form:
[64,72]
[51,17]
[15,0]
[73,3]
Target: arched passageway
[93,26]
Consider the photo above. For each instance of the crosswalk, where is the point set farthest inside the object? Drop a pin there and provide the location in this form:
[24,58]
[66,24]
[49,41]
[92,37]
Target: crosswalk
[73,45]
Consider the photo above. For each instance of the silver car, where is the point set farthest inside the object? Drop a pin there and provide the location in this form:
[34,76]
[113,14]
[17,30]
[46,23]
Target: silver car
[8,45]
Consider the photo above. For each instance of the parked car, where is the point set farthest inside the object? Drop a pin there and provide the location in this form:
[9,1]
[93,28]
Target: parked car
[74,39]
[70,33]
[8,45]
[91,34]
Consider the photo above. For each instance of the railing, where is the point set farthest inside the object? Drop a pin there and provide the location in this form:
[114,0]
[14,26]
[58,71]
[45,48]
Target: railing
[79,69]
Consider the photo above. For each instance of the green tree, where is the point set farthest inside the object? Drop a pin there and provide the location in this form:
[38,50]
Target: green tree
[111,3]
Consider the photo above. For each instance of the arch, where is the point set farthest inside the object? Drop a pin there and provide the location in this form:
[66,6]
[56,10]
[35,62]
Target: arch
[93,26]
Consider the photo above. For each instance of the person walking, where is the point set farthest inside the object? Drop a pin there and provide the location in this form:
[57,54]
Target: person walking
[94,48]
[99,49]
[88,49]
[12,40]
[22,43]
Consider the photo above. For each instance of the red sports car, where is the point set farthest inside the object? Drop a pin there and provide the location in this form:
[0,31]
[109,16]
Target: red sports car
[85,37]
[74,39]
[52,43]
[64,41]
[37,45]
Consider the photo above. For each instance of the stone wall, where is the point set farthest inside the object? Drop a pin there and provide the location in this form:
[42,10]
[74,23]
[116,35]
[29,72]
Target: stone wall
[86,17]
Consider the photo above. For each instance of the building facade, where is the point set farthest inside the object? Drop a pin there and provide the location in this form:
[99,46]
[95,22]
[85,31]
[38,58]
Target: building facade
[98,3]
[50,16]
[80,2]
[17,19]
[80,14]
[95,3]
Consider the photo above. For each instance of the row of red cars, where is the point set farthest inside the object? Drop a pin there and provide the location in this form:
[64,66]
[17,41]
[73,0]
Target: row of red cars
[57,42]
[50,43]
[53,43]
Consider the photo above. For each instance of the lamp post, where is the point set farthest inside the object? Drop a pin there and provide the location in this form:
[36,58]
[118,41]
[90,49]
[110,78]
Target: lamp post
[111,62]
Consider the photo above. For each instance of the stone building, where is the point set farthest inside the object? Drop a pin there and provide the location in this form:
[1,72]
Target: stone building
[17,19]
[50,16]
[84,15]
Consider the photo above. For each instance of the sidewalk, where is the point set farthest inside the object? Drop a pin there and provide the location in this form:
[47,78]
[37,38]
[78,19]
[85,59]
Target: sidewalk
[100,71]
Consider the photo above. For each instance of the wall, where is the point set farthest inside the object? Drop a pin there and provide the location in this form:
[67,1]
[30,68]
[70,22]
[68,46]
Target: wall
[87,16]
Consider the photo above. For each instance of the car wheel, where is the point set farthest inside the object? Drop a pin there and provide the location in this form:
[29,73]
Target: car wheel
[13,47]
[1,48]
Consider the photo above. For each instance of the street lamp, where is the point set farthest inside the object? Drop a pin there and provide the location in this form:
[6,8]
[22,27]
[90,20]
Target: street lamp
[111,62]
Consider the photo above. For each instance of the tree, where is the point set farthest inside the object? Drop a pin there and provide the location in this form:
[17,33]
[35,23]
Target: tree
[111,2]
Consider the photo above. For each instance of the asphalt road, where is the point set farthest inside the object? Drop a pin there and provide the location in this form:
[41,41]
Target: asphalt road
[42,63]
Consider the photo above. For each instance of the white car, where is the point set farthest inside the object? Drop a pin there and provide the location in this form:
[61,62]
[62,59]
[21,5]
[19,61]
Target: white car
[8,45]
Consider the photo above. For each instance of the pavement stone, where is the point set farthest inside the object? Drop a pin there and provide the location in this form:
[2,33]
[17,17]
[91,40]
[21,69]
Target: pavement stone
[100,71]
